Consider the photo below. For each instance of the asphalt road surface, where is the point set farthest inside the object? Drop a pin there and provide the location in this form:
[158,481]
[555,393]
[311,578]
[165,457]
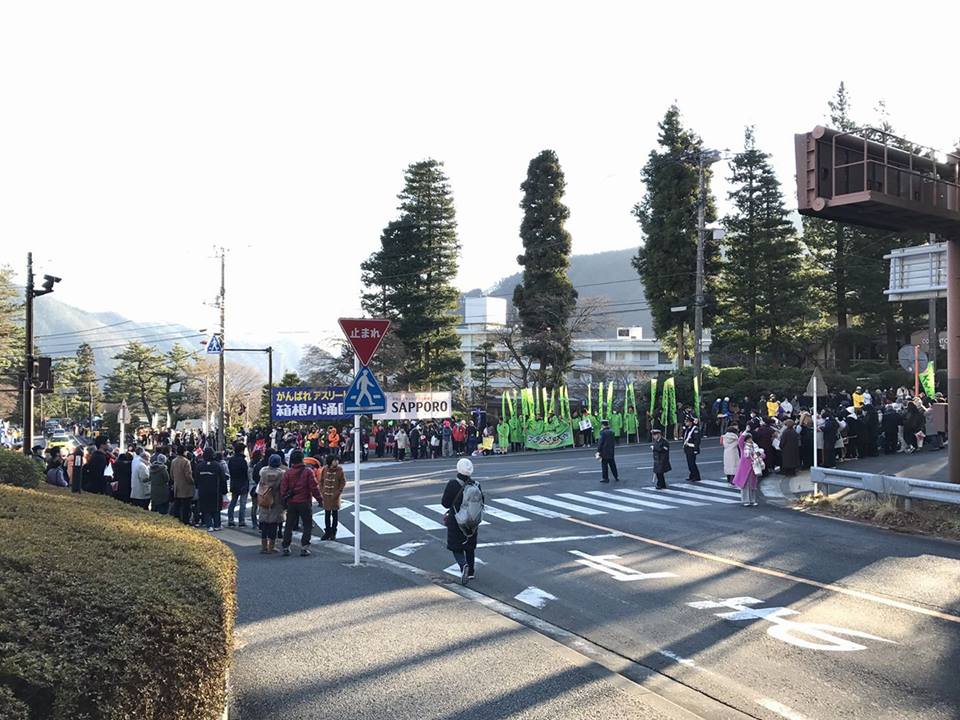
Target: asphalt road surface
[775,613]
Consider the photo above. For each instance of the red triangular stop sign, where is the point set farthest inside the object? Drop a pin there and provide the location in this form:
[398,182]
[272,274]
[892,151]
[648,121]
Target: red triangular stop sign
[365,334]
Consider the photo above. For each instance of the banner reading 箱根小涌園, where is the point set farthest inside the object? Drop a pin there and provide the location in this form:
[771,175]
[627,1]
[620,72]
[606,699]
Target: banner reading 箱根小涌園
[550,439]
[307,404]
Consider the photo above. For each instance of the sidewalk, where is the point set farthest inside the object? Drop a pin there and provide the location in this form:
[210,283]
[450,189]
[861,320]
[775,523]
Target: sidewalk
[316,638]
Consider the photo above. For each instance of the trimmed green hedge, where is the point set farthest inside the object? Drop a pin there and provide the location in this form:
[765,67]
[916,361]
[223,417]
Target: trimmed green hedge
[17,469]
[109,612]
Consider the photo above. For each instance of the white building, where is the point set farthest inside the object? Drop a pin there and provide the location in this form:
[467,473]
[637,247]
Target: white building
[626,350]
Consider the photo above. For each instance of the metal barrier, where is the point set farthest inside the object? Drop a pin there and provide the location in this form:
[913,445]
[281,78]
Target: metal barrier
[907,488]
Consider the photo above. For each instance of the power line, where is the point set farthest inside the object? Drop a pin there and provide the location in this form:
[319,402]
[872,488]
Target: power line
[70,343]
[144,341]
[78,332]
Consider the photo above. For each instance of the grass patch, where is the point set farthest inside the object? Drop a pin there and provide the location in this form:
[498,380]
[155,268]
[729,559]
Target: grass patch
[109,612]
[927,518]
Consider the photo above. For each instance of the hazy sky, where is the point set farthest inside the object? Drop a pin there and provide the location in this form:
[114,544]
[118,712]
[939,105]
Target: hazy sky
[136,136]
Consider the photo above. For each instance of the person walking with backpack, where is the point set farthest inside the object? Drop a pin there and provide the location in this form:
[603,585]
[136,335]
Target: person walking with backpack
[268,499]
[299,484]
[332,483]
[606,449]
[463,498]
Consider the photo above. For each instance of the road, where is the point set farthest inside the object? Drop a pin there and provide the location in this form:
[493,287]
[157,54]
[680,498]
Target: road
[775,613]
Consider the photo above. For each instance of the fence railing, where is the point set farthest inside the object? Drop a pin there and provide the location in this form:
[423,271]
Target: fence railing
[907,488]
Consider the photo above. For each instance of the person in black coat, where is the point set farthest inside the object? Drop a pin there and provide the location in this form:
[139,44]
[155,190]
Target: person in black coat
[462,547]
[691,448]
[93,480]
[789,449]
[606,449]
[871,426]
[830,430]
[239,484]
[122,476]
[211,487]
[891,429]
[661,458]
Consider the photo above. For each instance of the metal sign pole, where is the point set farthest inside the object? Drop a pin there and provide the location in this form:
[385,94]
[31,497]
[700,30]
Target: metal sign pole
[816,488]
[356,478]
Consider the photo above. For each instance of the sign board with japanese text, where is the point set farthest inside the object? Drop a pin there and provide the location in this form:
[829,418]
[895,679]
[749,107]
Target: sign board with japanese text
[365,335]
[307,404]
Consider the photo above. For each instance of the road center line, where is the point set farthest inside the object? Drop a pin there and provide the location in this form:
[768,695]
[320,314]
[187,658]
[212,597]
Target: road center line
[890,602]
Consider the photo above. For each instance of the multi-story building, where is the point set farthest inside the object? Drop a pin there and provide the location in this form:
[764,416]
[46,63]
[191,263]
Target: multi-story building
[625,353]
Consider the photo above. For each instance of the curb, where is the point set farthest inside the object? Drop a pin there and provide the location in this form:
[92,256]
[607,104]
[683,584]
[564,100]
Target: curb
[632,674]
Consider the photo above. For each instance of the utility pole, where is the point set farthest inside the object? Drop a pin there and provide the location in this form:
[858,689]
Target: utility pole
[28,360]
[704,157]
[221,428]
[28,373]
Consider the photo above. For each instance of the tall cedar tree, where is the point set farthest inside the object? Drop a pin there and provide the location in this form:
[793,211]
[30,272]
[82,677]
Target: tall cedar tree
[667,260]
[762,293]
[86,378]
[545,298]
[410,279]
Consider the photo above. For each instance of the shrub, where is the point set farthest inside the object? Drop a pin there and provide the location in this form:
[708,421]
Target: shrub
[18,469]
[107,611]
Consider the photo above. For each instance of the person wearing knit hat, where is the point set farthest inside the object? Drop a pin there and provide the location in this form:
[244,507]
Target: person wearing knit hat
[269,507]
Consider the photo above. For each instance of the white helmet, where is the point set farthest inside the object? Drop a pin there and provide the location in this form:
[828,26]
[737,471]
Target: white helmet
[464,467]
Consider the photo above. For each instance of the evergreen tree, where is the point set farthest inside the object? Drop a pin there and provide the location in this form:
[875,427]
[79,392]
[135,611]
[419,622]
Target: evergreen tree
[11,336]
[179,367]
[545,298]
[485,360]
[137,378]
[762,286]
[667,260]
[410,279]
[289,379]
[86,380]
[832,244]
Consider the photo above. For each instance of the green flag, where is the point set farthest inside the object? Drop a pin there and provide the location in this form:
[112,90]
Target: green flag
[696,396]
[600,401]
[928,381]
[609,399]
[653,396]
[589,398]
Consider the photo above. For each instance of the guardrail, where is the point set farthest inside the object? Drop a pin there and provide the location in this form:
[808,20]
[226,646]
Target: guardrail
[907,488]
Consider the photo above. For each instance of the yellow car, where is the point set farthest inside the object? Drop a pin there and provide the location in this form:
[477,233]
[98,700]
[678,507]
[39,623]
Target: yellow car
[60,440]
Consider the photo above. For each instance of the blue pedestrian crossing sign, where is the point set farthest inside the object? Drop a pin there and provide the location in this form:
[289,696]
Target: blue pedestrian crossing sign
[364,396]
[215,346]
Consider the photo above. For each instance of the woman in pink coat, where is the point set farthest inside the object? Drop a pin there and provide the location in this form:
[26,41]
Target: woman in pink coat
[751,458]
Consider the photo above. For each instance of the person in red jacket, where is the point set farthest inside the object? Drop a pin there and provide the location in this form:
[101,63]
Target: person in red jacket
[298,486]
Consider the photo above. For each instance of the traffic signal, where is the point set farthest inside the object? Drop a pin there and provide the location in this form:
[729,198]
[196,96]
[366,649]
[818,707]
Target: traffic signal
[43,375]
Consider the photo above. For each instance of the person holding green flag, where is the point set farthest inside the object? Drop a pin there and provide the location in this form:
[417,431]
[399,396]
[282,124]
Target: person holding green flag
[616,424]
[503,434]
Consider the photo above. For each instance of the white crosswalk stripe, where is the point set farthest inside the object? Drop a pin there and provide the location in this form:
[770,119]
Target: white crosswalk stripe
[437,508]
[342,530]
[655,494]
[711,492]
[416,518]
[600,503]
[718,483]
[697,496]
[377,524]
[542,512]
[565,505]
[504,514]
[633,500]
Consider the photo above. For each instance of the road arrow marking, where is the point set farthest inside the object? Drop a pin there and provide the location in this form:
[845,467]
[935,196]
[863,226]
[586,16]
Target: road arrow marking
[534,596]
[407,549]
[604,563]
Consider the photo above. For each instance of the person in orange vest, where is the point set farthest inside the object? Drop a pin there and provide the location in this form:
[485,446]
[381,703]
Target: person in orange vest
[333,441]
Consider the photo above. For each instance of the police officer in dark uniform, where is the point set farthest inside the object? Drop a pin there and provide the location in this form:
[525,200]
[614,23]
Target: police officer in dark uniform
[691,448]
